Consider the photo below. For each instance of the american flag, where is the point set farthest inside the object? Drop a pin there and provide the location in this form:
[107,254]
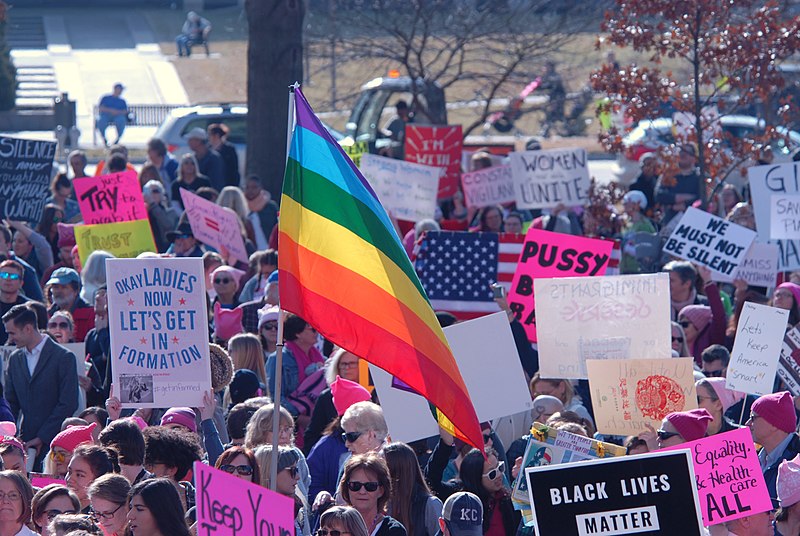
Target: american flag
[457,268]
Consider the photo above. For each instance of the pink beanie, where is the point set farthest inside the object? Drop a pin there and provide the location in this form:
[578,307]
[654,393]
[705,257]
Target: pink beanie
[73,436]
[692,424]
[227,322]
[141,423]
[346,393]
[795,288]
[182,416]
[788,483]
[725,395]
[698,315]
[778,410]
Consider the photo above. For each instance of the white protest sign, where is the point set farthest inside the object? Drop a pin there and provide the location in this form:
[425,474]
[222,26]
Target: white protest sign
[489,186]
[610,317]
[158,319]
[766,181]
[408,415]
[759,267]
[789,362]
[405,189]
[543,179]
[784,221]
[708,240]
[217,226]
[756,349]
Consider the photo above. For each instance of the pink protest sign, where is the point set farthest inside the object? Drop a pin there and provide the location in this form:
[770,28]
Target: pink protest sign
[546,254]
[110,198]
[437,146]
[730,483]
[40,480]
[229,505]
[217,226]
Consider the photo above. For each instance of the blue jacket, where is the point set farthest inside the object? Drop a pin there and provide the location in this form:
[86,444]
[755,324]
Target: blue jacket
[324,462]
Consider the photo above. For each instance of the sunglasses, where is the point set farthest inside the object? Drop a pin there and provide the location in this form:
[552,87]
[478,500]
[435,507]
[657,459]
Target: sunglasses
[60,325]
[677,339]
[351,437]
[58,457]
[244,470]
[684,323]
[270,325]
[293,471]
[326,532]
[57,219]
[663,435]
[713,373]
[497,471]
[9,275]
[222,280]
[355,485]
[51,514]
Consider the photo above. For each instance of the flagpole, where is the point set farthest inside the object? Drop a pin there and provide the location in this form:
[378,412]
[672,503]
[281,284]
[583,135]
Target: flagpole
[276,396]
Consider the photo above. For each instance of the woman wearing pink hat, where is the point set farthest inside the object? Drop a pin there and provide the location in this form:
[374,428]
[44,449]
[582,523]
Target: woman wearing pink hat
[787,296]
[787,518]
[62,447]
[714,397]
[677,428]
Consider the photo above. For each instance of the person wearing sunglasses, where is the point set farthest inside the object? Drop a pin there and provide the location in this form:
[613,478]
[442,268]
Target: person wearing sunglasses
[11,278]
[341,521]
[50,501]
[677,428]
[714,397]
[16,495]
[704,325]
[239,462]
[63,445]
[288,476]
[267,328]
[366,486]
[226,284]
[109,503]
[61,327]
[679,340]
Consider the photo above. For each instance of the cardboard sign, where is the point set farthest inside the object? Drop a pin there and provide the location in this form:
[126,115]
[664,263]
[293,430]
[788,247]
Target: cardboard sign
[710,241]
[25,172]
[611,317]
[766,181]
[651,493]
[437,146]
[125,239]
[730,483]
[490,186]
[158,319]
[759,267]
[784,221]
[548,254]
[227,505]
[756,349]
[356,151]
[543,179]
[405,189]
[789,361]
[217,226]
[110,198]
[627,394]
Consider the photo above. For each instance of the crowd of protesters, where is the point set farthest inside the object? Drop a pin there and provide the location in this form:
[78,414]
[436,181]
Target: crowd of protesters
[128,472]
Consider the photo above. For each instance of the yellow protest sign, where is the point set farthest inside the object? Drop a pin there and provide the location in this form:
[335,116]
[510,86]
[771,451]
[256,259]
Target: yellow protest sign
[356,150]
[125,239]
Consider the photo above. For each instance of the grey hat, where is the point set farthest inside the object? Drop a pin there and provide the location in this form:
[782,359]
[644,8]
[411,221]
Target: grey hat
[463,512]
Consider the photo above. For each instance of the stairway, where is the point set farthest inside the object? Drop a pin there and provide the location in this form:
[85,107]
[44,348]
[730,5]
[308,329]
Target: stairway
[26,32]
[36,85]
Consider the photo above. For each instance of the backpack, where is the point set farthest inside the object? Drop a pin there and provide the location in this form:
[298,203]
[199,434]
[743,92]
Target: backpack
[305,396]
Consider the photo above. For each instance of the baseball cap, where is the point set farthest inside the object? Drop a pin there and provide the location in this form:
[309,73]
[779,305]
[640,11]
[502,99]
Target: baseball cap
[463,513]
[64,276]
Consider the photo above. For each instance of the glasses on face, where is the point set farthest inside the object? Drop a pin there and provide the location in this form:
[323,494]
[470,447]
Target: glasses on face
[222,280]
[497,471]
[97,516]
[57,219]
[343,365]
[677,339]
[487,437]
[9,275]
[293,470]
[326,532]
[713,373]
[355,485]
[51,514]
[684,323]
[58,457]
[783,295]
[753,417]
[59,325]
[12,496]
[270,325]
[351,437]
[244,470]
[663,435]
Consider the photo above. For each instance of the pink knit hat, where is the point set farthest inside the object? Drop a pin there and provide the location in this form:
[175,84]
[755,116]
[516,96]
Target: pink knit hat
[183,416]
[778,410]
[788,483]
[346,393]
[725,395]
[692,424]
[698,315]
[227,322]
[73,436]
[141,423]
[795,288]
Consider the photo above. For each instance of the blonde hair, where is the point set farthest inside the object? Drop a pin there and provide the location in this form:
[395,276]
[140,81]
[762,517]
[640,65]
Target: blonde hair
[232,197]
[246,353]
[569,391]
[260,425]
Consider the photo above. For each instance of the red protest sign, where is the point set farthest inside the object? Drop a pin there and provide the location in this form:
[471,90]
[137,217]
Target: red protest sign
[437,146]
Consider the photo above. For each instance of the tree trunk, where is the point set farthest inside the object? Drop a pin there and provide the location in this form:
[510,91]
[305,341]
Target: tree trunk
[274,62]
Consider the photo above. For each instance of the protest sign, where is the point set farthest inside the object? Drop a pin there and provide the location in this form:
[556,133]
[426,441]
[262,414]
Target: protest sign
[548,254]
[543,179]
[25,173]
[611,317]
[217,226]
[709,240]
[759,267]
[628,394]
[408,415]
[227,505]
[625,495]
[756,349]
[437,146]
[489,186]
[158,320]
[406,190]
[784,218]
[789,361]
[730,483]
[356,151]
[125,239]
[766,181]
[110,198]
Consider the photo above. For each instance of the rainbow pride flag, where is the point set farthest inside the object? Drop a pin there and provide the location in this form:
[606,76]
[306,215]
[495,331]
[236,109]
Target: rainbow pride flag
[343,269]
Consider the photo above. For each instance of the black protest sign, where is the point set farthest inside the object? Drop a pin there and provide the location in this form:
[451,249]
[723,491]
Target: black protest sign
[646,494]
[25,171]
[710,241]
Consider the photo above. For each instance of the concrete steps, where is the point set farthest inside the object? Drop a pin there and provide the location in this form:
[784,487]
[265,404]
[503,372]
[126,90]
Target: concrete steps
[37,86]
[26,32]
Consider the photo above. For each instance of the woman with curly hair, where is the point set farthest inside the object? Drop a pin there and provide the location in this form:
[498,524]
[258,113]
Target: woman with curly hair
[170,454]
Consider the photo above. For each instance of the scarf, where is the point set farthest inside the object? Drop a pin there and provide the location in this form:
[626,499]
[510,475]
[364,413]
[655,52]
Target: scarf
[302,359]
[257,204]
[677,306]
